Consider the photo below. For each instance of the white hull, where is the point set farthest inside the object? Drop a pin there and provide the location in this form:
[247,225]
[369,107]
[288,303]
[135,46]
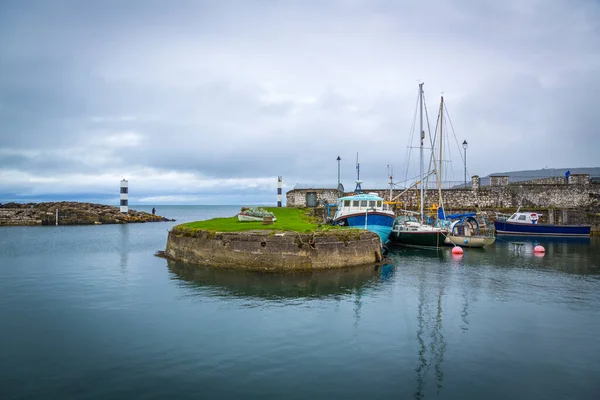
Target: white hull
[250,218]
[471,241]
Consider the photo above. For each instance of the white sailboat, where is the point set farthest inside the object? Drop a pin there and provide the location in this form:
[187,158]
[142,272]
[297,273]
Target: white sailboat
[408,230]
[468,230]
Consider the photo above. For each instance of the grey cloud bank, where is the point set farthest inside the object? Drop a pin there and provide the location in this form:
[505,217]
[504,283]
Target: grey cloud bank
[201,102]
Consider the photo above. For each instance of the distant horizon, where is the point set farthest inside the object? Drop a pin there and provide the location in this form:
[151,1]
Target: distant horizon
[260,198]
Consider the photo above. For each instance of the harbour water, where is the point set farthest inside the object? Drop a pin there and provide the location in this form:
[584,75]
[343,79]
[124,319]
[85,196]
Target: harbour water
[90,313]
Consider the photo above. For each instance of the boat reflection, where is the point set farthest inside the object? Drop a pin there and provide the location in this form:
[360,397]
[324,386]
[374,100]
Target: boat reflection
[431,343]
[317,284]
[569,255]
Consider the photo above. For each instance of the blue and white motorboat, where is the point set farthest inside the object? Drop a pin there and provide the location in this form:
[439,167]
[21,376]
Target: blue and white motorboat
[527,224]
[365,211]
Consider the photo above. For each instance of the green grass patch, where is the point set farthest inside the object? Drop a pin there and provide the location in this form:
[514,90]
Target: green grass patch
[288,219]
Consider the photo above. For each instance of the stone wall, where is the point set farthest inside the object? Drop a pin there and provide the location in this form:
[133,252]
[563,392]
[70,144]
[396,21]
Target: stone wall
[554,180]
[579,179]
[580,193]
[271,251]
[297,197]
[513,195]
[499,180]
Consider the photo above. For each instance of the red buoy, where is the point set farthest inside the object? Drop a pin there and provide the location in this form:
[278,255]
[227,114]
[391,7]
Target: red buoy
[539,249]
[457,250]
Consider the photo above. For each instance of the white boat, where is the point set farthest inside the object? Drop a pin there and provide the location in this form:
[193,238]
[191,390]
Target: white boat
[365,211]
[468,232]
[254,215]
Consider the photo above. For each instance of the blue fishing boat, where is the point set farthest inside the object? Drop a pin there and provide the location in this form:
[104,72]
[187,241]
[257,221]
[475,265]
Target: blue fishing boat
[365,211]
[527,224]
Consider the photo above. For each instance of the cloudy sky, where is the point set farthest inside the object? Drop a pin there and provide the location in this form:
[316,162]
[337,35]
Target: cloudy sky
[206,102]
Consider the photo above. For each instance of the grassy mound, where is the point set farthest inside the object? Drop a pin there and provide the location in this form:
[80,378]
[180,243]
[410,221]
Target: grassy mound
[288,219]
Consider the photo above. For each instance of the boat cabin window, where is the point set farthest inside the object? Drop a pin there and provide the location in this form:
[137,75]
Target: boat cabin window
[355,203]
[363,203]
[522,217]
[514,216]
[379,203]
[346,203]
[372,203]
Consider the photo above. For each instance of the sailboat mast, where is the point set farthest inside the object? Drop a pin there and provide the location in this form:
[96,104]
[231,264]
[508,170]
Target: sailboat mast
[441,142]
[422,134]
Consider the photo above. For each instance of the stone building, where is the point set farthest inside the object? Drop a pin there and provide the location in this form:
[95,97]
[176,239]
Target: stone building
[307,195]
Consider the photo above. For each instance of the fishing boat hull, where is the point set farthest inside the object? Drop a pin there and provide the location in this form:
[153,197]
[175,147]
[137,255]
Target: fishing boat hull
[421,239]
[378,222]
[250,218]
[470,241]
[510,228]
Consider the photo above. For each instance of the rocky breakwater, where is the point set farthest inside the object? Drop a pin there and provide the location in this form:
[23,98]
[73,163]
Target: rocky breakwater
[271,250]
[70,213]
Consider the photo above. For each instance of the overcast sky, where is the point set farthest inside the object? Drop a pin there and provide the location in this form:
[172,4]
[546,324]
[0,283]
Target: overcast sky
[207,102]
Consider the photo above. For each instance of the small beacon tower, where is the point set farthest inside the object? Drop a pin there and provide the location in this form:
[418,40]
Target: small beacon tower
[124,196]
[279,184]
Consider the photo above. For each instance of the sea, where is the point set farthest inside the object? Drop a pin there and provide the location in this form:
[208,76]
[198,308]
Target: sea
[89,312]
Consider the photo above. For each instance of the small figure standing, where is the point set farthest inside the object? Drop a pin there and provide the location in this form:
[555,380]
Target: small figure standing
[153,211]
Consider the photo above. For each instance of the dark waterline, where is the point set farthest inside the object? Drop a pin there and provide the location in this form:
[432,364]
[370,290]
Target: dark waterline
[89,312]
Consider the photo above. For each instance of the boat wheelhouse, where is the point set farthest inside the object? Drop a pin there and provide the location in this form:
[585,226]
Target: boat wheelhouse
[365,211]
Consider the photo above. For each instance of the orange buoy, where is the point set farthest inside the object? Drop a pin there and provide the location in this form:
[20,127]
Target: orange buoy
[539,249]
[457,250]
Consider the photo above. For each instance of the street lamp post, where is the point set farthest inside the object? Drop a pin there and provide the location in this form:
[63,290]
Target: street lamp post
[465,145]
[338,160]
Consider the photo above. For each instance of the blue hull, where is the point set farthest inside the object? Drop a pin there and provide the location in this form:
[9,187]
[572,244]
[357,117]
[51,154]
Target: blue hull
[509,228]
[381,224]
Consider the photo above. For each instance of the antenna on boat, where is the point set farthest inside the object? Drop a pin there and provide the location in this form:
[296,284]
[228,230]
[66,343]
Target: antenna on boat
[358,189]
[391,175]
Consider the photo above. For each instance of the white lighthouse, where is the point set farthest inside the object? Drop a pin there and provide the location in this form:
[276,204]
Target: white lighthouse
[124,196]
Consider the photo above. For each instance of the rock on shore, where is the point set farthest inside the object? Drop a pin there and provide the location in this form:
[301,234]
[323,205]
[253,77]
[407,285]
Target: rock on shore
[70,213]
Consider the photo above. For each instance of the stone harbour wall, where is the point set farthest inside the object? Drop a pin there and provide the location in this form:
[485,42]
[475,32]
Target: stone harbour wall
[274,251]
[582,195]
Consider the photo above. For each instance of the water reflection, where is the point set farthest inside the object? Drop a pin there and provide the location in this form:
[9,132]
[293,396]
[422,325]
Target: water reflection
[568,255]
[430,337]
[124,246]
[284,285]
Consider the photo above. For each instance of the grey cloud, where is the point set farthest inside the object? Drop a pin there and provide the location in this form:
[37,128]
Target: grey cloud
[252,90]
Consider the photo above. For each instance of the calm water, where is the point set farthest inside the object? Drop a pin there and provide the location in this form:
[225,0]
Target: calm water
[90,313]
